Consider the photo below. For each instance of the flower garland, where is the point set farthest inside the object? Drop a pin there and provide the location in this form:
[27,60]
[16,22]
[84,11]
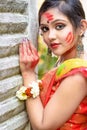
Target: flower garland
[32,91]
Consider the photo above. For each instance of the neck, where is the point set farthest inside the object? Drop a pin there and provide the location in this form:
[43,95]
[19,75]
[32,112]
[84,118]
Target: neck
[72,53]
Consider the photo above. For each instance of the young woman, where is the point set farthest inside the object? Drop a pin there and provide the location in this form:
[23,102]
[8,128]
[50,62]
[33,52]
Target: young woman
[59,101]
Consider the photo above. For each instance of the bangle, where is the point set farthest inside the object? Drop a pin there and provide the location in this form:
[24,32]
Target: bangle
[32,91]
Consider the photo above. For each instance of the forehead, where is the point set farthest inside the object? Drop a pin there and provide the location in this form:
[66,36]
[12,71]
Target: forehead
[53,14]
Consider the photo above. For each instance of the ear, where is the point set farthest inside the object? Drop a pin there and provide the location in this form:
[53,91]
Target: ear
[83,26]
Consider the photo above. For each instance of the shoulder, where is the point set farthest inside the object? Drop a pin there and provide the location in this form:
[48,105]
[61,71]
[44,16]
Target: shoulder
[75,83]
[71,67]
[77,78]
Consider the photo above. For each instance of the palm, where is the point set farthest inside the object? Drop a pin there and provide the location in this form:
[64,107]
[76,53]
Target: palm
[28,56]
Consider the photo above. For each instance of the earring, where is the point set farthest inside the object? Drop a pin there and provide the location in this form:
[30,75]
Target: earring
[80,48]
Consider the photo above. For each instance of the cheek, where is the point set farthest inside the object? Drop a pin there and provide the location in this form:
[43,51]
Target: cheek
[69,38]
[45,40]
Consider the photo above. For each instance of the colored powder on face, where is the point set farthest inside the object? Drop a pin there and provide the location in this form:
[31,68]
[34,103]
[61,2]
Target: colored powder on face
[48,16]
[69,38]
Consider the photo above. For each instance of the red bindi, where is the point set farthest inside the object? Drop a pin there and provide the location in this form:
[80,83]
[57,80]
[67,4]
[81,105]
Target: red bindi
[48,16]
[69,38]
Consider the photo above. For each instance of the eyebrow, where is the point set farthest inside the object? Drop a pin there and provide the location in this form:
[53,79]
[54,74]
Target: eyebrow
[57,20]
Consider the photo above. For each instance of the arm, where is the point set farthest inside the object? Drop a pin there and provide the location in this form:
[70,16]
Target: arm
[61,106]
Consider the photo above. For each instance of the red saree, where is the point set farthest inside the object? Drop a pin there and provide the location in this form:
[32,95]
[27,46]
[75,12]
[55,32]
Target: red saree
[51,82]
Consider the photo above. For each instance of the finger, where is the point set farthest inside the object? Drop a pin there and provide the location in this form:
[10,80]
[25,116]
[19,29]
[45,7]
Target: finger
[33,49]
[25,47]
[29,55]
[20,51]
[35,54]
[29,52]
[23,51]
[22,44]
[32,55]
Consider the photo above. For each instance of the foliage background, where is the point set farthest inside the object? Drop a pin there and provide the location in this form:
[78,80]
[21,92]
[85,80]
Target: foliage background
[46,61]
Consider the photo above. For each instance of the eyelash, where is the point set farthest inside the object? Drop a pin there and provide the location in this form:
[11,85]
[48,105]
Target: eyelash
[44,29]
[58,27]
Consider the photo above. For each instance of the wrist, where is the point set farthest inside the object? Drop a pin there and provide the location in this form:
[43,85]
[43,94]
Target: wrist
[33,90]
[28,74]
[28,77]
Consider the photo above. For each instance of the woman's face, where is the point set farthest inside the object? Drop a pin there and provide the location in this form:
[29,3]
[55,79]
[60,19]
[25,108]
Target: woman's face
[58,32]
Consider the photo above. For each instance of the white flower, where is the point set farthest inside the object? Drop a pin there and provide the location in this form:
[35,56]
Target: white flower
[21,93]
[34,89]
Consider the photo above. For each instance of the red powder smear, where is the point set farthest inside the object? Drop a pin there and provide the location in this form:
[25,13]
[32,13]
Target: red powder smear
[34,63]
[49,16]
[69,38]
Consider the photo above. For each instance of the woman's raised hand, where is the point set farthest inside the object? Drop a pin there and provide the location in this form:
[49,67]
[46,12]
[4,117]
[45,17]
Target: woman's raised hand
[28,56]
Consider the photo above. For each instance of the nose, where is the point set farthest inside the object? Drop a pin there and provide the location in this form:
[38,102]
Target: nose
[52,34]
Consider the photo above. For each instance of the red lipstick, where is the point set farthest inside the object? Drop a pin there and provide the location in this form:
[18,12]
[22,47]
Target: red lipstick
[54,45]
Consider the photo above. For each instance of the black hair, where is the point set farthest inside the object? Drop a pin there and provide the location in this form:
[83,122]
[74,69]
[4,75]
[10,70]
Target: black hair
[71,8]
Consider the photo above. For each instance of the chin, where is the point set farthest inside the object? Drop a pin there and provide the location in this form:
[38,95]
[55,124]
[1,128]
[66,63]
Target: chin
[57,54]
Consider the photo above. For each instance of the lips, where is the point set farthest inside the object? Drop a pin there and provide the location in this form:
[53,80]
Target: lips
[54,45]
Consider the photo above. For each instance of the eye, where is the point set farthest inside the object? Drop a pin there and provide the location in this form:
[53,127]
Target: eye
[60,26]
[44,29]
